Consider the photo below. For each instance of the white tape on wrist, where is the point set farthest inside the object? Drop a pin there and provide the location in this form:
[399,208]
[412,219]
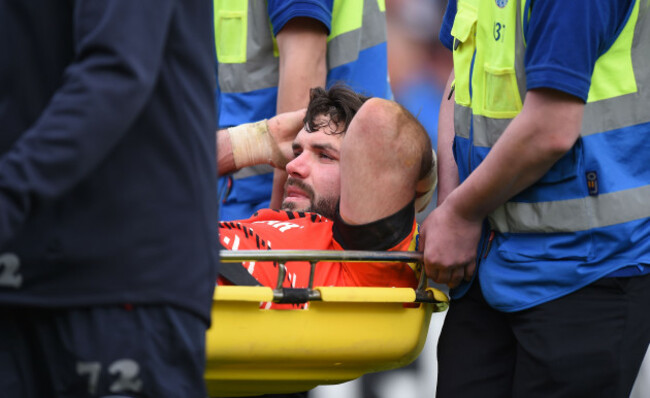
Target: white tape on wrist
[252,144]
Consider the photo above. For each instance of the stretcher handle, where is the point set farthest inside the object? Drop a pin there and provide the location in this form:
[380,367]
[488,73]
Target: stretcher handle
[314,256]
[236,256]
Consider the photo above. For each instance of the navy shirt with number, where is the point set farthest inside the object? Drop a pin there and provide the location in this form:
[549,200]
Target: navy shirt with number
[107,153]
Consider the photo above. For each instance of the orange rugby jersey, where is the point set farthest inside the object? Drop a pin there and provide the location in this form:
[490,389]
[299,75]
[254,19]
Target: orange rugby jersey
[285,230]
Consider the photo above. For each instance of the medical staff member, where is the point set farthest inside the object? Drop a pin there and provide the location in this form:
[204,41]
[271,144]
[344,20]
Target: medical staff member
[270,53]
[543,225]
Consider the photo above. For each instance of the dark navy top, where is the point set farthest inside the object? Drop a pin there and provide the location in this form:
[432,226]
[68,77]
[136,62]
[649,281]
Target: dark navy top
[107,153]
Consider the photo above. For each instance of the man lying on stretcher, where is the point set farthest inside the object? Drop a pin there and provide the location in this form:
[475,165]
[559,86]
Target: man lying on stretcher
[352,185]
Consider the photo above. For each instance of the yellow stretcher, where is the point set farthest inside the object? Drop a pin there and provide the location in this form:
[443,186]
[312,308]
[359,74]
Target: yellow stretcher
[344,333]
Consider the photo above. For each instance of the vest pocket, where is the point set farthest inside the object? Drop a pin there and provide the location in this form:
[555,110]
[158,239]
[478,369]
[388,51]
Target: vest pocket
[566,167]
[464,33]
[231,36]
[501,96]
[560,181]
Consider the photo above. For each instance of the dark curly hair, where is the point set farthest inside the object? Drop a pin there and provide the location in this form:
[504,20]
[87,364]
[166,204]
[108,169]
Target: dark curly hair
[340,103]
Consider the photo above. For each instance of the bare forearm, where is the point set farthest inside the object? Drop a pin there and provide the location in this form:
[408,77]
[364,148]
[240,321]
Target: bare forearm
[541,134]
[447,170]
[302,44]
[225,159]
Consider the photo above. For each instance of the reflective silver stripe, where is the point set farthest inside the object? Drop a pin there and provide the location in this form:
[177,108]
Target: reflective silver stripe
[373,25]
[345,48]
[243,78]
[631,109]
[261,69]
[574,214]
[520,52]
[462,120]
[487,130]
[616,113]
[252,171]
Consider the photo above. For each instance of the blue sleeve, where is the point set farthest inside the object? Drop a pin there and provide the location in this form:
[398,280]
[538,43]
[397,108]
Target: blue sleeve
[447,22]
[118,54]
[565,38]
[282,11]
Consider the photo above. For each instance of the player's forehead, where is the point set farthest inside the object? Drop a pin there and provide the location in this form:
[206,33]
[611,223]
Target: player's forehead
[326,132]
[324,123]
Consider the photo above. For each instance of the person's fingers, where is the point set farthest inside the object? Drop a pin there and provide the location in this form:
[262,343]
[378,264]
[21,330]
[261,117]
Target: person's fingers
[469,270]
[444,276]
[296,119]
[456,276]
[432,273]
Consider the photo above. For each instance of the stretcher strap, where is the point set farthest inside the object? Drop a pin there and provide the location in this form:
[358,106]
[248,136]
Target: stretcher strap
[236,274]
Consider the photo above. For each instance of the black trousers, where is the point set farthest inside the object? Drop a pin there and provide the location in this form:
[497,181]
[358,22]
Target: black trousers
[587,344]
[304,394]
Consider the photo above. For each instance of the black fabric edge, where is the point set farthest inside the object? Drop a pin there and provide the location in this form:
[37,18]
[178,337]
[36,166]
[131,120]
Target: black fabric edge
[237,274]
[382,234]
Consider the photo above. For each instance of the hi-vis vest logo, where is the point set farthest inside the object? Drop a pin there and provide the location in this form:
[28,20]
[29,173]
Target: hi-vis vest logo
[501,3]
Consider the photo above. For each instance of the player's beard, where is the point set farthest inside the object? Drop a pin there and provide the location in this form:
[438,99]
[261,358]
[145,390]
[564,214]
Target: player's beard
[325,206]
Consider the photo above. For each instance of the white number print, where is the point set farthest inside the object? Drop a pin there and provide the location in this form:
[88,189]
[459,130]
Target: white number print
[92,370]
[127,372]
[128,378]
[10,271]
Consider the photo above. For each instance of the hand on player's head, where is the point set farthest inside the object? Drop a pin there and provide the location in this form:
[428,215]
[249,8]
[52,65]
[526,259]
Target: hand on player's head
[283,128]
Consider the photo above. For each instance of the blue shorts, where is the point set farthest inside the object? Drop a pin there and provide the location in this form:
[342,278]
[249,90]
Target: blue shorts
[141,351]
